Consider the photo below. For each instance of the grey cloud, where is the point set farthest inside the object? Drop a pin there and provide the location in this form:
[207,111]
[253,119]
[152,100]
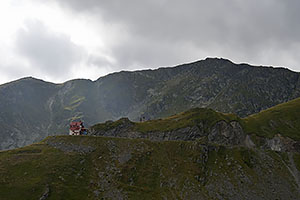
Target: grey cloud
[166,30]
[97,60]
[50,53]
[176,19]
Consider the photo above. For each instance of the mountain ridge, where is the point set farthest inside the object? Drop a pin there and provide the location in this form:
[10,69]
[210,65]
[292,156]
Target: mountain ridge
[155,69]
[32,109]
[277,128]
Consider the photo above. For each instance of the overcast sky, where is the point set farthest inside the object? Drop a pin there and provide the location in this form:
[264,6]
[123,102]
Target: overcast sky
[66,39]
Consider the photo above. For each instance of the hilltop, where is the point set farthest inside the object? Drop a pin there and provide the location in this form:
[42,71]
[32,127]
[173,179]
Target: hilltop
[31,109]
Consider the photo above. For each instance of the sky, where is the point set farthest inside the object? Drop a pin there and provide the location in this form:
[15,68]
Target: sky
[61,40]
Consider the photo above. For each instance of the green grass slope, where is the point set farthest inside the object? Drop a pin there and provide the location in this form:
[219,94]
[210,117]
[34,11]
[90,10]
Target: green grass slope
[207,117]
[283,119]
[83,167]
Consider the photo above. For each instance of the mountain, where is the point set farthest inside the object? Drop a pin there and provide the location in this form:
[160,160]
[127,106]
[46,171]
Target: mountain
[31,109]
[196,154]
[277,128]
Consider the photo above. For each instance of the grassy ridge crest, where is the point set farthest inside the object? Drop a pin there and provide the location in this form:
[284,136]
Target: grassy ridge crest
[283,119]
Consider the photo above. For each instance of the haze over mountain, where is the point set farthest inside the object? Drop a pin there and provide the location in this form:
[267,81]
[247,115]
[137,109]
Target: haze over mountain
[31,109]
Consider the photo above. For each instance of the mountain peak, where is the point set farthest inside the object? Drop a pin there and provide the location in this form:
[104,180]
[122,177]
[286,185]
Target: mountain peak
[28,78]
[217,59]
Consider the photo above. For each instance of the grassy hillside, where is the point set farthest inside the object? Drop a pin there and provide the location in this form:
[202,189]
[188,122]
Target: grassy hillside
[282,119]
[207,117]
[82,167]
[192,117]
[87,167]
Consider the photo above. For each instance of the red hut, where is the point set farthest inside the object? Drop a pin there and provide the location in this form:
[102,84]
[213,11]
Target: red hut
[77,128]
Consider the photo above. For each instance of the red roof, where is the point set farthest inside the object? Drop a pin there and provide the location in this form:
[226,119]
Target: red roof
[76,125]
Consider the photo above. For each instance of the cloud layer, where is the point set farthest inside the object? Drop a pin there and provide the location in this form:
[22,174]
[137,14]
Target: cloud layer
[255,31]
[106,36]
[50,53]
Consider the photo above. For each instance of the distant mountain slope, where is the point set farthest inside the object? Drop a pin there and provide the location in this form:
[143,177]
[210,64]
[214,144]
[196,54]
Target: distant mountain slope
[31,109]
[24,114]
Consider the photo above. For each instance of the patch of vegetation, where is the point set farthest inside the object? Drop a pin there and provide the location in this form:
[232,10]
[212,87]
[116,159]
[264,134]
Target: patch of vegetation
[297,161]
[75,102]
[108,125]
[27,172]
[193,117]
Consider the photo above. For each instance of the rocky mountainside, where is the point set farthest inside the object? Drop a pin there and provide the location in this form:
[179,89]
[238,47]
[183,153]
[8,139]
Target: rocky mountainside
[277,128]
[197,154]
[32,109]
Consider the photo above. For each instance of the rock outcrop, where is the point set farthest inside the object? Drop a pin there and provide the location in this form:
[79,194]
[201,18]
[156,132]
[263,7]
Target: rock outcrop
[221,133]
[227,133]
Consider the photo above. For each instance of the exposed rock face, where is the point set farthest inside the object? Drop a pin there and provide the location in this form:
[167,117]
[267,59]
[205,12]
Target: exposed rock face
[45,194]
[279,143]
[248,142]
[227,133]
[122,130]
[275,144]
[221,133]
